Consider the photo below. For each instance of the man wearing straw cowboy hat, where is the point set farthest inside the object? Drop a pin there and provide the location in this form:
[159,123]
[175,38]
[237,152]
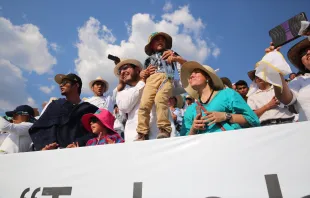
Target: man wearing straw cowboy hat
[99,86]
[129,92]
[176,104]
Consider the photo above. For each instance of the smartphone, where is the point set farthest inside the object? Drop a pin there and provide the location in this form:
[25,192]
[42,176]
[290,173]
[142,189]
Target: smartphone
[287,31]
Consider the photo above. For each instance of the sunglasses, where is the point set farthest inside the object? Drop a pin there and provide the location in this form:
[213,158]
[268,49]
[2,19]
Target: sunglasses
[93,120]
[64,82]
[124,67]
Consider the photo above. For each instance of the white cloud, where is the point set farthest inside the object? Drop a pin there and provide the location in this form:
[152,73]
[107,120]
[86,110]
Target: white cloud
[216,52]
[55,47]
[167,7]
[27,47]
[12,87]
[96,41]
[46,89]
[22,48]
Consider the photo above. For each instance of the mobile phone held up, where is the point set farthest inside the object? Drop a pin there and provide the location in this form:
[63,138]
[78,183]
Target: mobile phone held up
[287,31]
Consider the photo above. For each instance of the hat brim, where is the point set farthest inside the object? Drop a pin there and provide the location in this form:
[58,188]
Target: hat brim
[85,122]
[127,61]
[148,50]
[294,54]
[99,80]
[251,74]
[187,69]
[59,77]
[10,113]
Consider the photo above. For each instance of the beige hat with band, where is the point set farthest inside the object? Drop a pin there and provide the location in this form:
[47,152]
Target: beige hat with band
[125,62]
[186,71]
[148,48]
[99,79]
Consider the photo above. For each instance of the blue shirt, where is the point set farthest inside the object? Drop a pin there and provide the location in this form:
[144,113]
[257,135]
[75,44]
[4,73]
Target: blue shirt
[226,100]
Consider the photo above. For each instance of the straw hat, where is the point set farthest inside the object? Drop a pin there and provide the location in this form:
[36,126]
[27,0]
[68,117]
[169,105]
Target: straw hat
[187,69]
[127,61]
[251,74]
[180,102]
[99,79]
[148,49]
[294,54]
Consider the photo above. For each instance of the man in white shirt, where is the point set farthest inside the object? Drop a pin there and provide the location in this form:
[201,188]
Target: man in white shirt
[99,86]
[129,92]
[265,105]
[17,139]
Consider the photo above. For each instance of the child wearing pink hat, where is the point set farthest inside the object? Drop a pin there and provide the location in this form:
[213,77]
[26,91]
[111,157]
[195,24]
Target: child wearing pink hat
[101,124]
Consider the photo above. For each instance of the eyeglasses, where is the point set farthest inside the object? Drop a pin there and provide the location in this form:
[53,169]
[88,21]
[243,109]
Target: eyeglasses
[124,67]
[93,120]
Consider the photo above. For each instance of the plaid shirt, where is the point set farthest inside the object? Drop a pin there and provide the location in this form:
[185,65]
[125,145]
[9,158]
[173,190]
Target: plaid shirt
[104,140]
[162,65]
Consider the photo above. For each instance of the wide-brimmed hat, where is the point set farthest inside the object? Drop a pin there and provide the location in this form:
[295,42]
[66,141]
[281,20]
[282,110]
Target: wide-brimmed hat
[180,102]
[127,61]
[251,74]
[105,117]
[294,54]
[187,69]
[99,79]
[148,49]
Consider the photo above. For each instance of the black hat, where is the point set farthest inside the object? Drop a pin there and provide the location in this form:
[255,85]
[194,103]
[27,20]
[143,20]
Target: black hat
[24,109]
[71,77]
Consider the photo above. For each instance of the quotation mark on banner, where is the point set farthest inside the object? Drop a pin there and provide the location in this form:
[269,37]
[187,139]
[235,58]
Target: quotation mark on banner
[55,192]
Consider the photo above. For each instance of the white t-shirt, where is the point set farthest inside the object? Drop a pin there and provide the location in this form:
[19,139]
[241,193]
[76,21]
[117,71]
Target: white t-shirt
[104,102]
[18,138]
[262,97]
[300,88]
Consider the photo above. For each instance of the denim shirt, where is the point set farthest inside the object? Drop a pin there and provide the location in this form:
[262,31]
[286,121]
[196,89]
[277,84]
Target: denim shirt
[162,65]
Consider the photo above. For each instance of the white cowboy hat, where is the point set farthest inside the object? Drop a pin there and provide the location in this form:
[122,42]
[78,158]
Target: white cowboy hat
[127,61]
[187,69]
[99,79]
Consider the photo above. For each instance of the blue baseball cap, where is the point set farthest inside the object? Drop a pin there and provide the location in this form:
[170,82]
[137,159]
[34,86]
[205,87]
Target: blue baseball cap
[22,110]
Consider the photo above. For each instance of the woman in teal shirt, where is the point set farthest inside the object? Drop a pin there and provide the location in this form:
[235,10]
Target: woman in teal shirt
[217,109]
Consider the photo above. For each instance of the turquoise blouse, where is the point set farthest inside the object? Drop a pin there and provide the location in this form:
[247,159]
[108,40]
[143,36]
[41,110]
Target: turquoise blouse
[226,100]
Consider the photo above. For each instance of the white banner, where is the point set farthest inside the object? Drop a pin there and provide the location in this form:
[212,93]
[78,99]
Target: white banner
[260,162]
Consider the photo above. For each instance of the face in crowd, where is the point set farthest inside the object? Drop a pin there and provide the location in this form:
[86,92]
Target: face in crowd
[242,90]
[129,73]
[98,88]
[172,102]
[67,87]
[198,79]
[19,118]
[305,58]
[158,43]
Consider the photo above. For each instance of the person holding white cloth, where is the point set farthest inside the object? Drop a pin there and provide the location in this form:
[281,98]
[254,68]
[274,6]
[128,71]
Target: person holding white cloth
[297,91]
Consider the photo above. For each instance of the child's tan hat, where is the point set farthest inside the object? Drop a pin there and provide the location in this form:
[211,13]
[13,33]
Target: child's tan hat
[148,49]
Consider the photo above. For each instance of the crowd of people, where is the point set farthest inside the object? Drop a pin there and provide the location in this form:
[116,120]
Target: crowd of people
[165,97]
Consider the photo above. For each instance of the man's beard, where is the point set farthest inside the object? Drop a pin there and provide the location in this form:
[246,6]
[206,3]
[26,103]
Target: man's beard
[134,78]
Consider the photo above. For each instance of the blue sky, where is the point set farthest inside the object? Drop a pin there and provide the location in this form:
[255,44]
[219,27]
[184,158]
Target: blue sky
[230,35]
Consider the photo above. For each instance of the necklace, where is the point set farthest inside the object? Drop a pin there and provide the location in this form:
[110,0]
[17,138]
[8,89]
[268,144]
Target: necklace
[208,98]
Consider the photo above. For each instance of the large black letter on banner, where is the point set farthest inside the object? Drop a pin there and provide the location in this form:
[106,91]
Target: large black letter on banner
[24,193]
[273,186]
[55,192]
[137,190]
[34,193]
